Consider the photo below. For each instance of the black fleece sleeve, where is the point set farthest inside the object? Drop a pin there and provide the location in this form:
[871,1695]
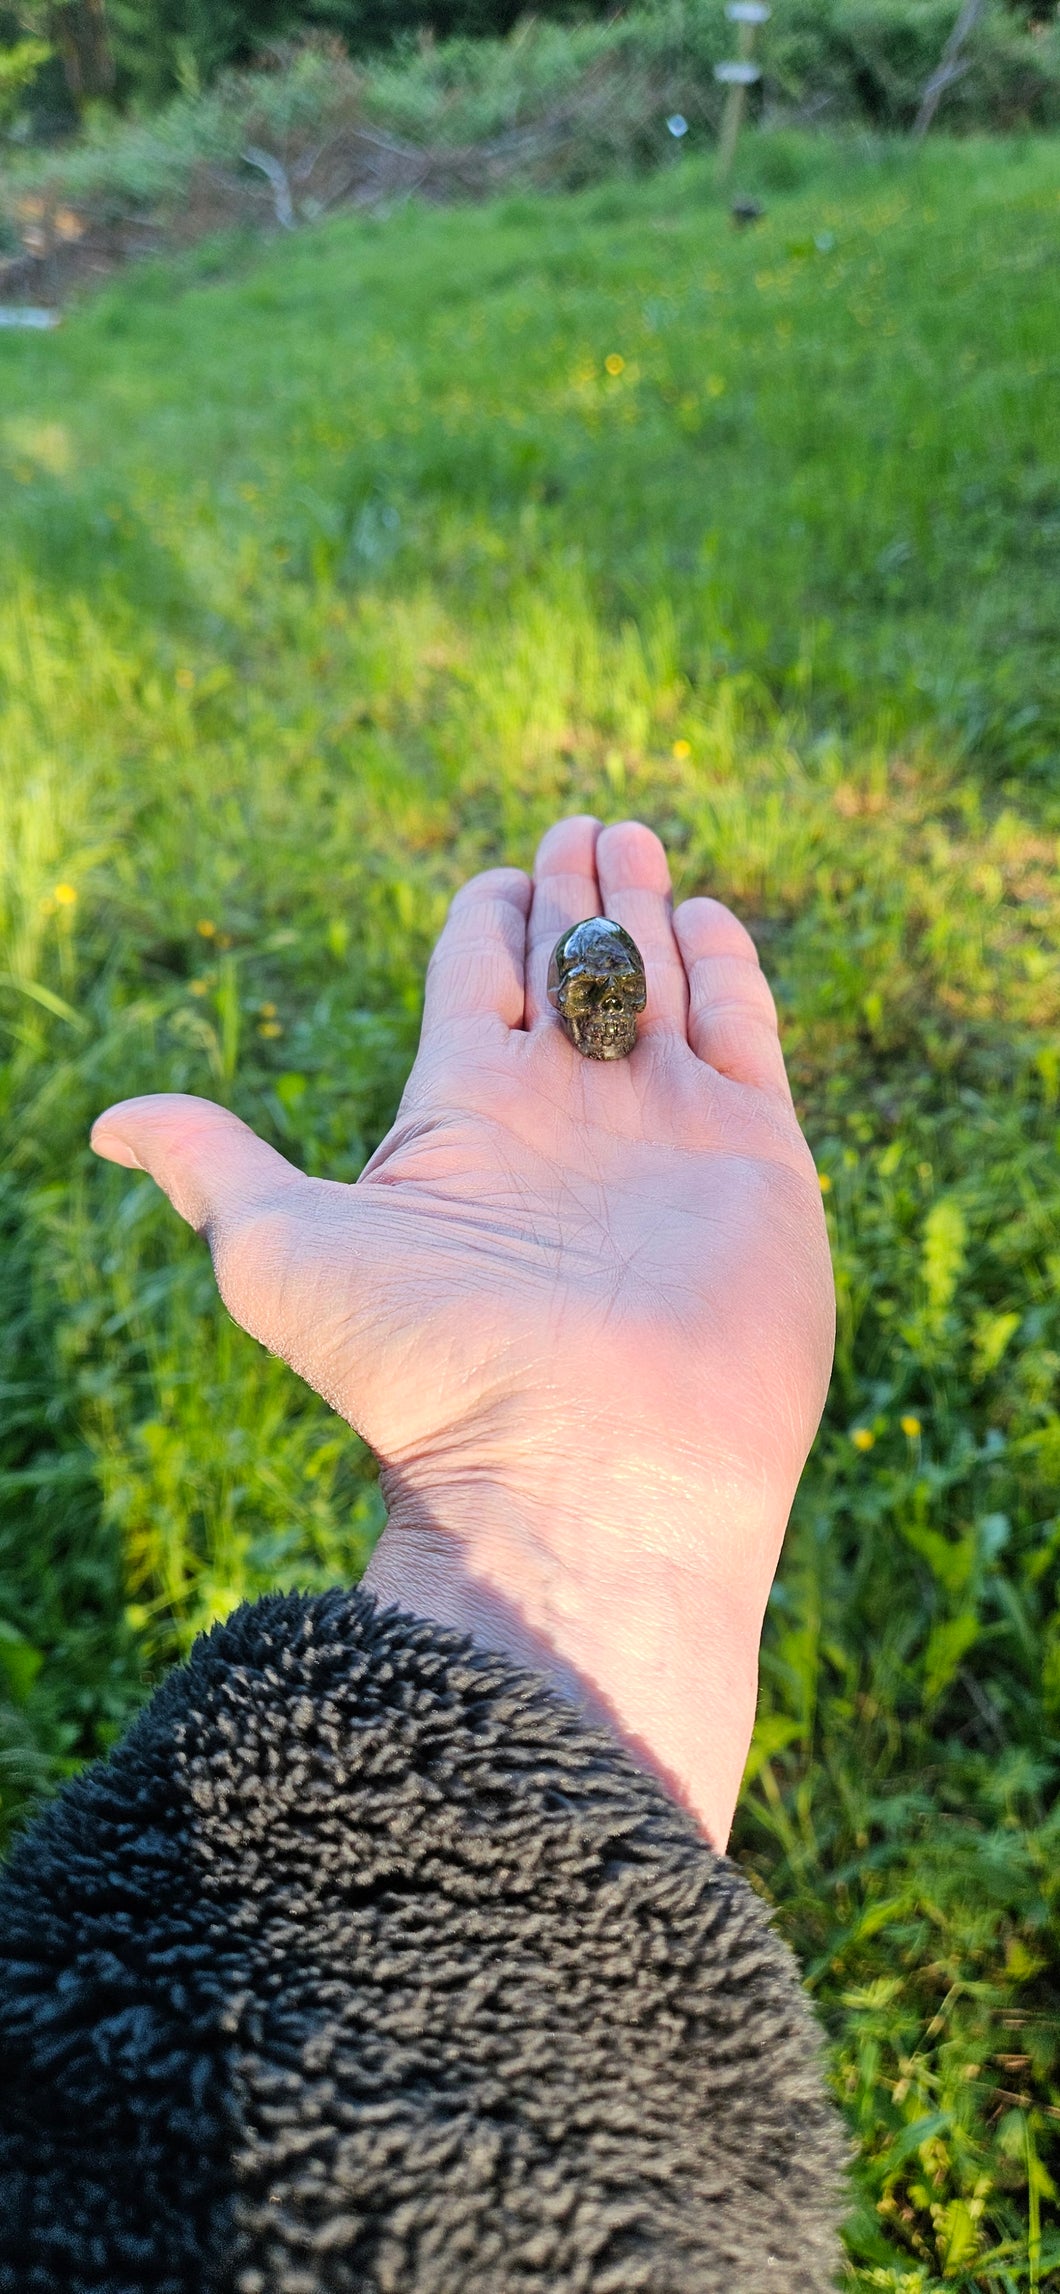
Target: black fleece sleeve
[365,1966]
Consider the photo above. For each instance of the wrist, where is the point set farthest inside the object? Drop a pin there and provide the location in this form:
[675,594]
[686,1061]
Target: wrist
[638,1600]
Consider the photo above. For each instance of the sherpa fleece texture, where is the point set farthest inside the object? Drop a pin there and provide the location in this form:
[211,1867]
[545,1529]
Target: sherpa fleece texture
[364,1963]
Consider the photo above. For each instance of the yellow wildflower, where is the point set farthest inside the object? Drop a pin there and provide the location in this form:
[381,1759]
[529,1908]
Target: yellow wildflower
[614,362]
[824,1182]
[910,1426]
[198,987]
[270,1028]
[863,1437]
[208,930]
[65,896]
[682,749]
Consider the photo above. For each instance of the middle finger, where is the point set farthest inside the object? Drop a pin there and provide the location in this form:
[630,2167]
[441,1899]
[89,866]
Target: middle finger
[565,893]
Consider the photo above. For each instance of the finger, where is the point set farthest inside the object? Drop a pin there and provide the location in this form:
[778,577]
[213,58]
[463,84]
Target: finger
[565,893]
[207,1161]
[634,882]
[732,1019]
[477,968]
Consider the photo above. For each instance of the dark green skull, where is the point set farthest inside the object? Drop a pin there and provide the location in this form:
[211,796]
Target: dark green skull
[596,983]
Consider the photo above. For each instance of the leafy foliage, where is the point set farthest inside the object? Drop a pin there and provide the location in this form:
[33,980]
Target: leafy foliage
[335,578]
[159,47]
[461,68]
[19,66]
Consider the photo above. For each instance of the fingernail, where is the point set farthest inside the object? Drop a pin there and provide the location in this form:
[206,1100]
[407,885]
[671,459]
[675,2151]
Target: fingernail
[113,1149]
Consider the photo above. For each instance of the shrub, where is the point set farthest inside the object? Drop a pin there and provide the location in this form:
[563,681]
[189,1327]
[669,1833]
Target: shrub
[490,60]
[554,103]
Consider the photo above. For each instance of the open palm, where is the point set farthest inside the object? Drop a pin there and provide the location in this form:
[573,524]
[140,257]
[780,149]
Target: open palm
[599,1290]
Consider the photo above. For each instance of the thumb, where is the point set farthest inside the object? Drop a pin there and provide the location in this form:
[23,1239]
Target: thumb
[207,1161]
[254,1208]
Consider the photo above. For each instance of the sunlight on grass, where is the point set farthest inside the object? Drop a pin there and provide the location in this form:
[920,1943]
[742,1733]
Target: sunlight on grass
[336,577]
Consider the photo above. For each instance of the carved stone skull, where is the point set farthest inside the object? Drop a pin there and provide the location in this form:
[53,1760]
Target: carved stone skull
[596,983]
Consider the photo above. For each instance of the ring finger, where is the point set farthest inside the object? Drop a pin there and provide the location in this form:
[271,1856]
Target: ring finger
[634,882]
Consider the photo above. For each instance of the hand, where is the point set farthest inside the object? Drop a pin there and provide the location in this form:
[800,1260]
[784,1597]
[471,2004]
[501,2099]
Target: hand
[582,1311]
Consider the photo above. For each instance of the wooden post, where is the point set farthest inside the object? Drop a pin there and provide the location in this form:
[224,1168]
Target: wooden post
[738,76]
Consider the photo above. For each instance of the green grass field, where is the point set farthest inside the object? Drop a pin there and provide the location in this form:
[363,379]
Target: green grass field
[334,571]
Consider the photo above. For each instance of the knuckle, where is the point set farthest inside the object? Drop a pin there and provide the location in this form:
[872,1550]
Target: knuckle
[714,930]
[737,984]
[496,886]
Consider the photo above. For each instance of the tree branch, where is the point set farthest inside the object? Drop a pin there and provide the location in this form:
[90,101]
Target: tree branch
[951,66]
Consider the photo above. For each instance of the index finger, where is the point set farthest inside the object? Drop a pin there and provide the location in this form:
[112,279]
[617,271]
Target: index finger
[477,968]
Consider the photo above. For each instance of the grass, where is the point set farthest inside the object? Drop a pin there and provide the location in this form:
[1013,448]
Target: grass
[335,571]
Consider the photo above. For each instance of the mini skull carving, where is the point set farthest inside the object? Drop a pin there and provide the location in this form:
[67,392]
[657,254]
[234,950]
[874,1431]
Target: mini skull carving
[596,983]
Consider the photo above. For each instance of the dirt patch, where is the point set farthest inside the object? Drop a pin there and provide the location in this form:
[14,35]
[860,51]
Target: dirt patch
[280,184]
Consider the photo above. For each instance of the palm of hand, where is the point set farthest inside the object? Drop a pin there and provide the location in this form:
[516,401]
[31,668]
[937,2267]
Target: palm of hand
[544,1252]
[601,1288]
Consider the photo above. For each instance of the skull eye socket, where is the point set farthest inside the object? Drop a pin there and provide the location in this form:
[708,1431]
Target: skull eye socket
[585,994]
[596,983]
[594,995]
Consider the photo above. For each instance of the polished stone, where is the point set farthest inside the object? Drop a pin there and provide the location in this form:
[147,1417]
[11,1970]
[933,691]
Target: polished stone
[596,984]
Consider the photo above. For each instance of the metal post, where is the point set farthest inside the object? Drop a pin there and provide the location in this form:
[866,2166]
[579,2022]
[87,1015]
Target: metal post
[738,76]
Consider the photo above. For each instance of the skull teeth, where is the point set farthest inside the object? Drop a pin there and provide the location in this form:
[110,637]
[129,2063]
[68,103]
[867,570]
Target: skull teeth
[600,1037]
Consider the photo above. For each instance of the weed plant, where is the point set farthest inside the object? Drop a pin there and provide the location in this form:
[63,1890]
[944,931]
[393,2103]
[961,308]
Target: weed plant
[334,576]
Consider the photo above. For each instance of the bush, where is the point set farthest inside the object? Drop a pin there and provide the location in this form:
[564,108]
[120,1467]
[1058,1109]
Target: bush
[871,58]
[554,103]
[152,49]
[851,58]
